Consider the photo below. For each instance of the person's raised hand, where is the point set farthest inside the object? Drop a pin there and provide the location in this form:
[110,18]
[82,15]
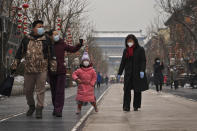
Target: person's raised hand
[81,41]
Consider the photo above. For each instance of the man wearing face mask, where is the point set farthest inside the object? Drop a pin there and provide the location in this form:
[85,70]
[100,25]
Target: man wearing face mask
[58,80]
[35,49]
[158,75]
[134,64]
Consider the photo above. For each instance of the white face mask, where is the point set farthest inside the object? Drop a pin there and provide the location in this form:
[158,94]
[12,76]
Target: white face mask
[86,63]
[130,44]
[40,31]
[56,38]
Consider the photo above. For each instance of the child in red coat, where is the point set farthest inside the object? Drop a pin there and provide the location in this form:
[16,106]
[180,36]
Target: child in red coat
[86,79]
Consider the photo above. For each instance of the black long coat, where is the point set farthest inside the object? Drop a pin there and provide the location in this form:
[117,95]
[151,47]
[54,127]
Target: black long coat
[158,75]
[133,67]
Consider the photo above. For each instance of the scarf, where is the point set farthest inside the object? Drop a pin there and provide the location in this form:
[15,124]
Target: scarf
[130,51]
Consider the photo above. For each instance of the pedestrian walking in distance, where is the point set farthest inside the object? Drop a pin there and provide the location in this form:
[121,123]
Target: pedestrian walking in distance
[38,53]
[106,80]
[86,78]
[133,63]
[175,78]
[158,75]
[99,79]
[58,80]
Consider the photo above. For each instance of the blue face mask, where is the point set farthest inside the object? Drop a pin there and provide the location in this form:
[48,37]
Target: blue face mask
[40,31]
[56,38]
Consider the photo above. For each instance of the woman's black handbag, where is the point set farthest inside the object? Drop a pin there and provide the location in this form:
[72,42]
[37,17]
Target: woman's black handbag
[6,86]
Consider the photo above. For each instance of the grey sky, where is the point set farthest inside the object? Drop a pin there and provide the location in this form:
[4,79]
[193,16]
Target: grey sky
[124,15]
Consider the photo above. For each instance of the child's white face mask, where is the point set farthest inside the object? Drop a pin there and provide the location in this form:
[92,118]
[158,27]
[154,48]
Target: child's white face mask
[86,63]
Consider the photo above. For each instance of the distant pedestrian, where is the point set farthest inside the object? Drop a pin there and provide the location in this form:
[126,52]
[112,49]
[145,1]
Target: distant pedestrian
[86,77]
[158,75]
[106,80]
[171,78]
[58,80]
[165,80]
[175,78]
[99,80]
[134,64]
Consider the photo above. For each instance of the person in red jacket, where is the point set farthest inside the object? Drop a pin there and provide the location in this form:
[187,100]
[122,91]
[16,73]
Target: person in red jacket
[58,80]
[86,79]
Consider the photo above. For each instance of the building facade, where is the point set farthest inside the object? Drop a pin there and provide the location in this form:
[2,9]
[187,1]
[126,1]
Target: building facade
[183,36]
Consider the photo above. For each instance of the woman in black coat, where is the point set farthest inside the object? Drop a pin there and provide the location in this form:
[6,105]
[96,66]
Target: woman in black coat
[134,64]
[158,75]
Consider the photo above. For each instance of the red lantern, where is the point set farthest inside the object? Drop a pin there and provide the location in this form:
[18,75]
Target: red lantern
[25,6]
[14,7]
[58,24]
[24,27]
[25,32]
[20,21]
[25,18]
[19,15]
[19,26]
[58,29]
[25,23]
[59,19]
[19,8]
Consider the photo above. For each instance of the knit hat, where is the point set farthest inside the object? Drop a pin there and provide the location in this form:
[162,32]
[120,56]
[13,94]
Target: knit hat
[85,56]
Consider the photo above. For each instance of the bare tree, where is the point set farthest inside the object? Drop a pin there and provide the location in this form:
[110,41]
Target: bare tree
[156,34]
[179,10]
[71,13]
[8,13]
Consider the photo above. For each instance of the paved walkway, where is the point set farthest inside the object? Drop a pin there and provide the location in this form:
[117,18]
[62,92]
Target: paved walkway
[13,109]
[160,112]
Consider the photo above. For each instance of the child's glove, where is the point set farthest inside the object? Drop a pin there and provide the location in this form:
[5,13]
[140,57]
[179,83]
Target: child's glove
[78,81]
[141,75]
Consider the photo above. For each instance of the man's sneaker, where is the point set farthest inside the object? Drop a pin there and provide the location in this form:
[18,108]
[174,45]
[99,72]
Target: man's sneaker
[58,114]
[31,110]
[39,112]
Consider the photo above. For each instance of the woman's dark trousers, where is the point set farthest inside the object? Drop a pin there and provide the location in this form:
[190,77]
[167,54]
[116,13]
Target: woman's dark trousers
[127,99]
[57,83]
